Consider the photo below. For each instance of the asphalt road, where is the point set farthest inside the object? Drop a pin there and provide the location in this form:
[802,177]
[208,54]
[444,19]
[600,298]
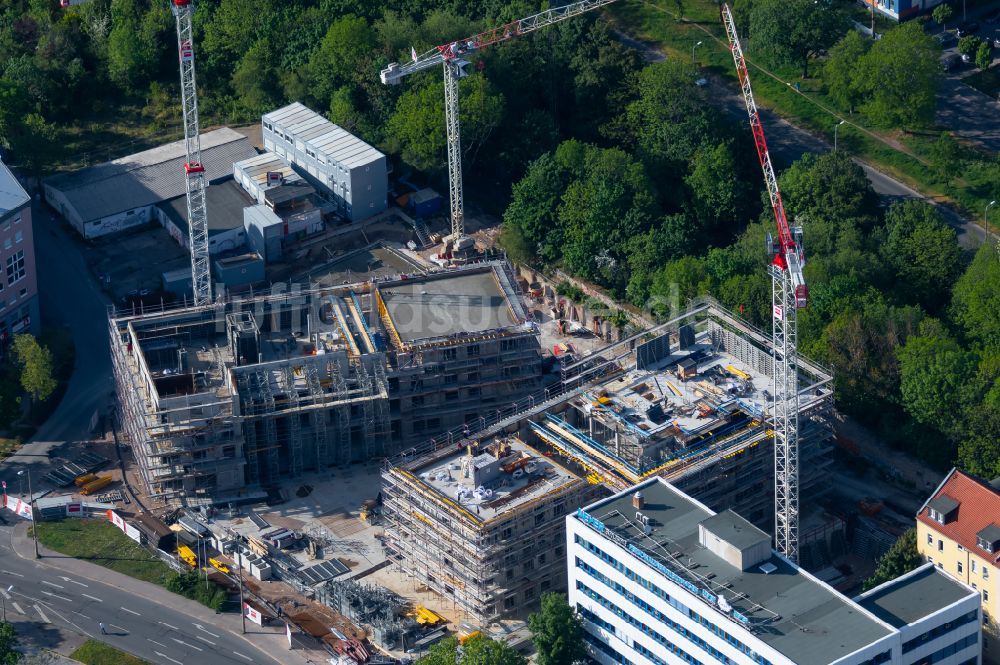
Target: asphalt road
[69,297]
[45,595]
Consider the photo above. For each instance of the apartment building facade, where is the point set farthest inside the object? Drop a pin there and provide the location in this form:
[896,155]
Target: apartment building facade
[958,530]
[19,310]
[659,579]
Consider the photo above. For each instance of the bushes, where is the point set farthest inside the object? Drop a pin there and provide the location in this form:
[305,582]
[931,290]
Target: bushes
[191,586]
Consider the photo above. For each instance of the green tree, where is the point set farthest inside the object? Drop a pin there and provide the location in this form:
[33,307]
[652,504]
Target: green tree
[255,77]
[901,558]
[557,631]
[794,31]
[669,120]
[984,55]
[841,69]
[477,650]
[35,362]
[717,198]
[9,655]
[937,380]
[900,77]
[131,55]
[978,452]
[923,251]
[533,207]
[976,298]
[342,56]
[942,14]
[968,45]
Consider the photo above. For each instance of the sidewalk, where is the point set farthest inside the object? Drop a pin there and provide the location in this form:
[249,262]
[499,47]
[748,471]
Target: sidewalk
[268,639]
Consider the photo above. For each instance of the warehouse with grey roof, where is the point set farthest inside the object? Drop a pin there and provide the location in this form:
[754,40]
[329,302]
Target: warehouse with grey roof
[120,194]
[346,169]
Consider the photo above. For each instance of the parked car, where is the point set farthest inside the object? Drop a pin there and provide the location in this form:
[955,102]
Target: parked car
[950,62]
[967,29]
[946,39]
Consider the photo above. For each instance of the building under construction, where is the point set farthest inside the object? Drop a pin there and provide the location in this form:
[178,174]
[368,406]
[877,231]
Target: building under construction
[483,526]
[224,399]
[688,401]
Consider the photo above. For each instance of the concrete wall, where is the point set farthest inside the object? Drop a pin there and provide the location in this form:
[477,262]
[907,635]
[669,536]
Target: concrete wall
[946,554]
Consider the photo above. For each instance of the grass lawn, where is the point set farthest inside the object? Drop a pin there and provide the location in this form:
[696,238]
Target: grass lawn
[900,154]
[7,446]
[987,81]
[93,652]
[100,542]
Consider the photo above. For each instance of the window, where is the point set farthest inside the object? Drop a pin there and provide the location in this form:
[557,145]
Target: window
[7,244]
[472,350]
[450,354]
[986,596]
[19,236]
[17,220]
[930,539]
[451,395]
[960,548]
[973,565]
[986,573]
[974,586]
[940,545]
[418,400]
[23,292]
[959,566]
[15,267]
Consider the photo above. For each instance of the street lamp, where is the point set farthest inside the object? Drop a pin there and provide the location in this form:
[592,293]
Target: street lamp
[987,219]
[835,128]
[3,599]
[693,46]
[31,505]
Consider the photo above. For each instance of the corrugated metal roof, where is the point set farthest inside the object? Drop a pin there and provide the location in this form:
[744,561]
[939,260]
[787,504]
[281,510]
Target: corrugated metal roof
[148,177]
[261,216]
[256,169]
[225,202]
[12,195]
[323,136]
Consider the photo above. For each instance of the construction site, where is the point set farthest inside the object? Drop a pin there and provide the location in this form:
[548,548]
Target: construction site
[688,401]
[221,401]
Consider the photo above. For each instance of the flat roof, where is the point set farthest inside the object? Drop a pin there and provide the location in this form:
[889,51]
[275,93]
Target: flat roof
[224,202]
[910,598]
[326,138]
[735,530]
[256,169]
[12,195]
[788,610]
[429,307]
[539,475]
[148,177]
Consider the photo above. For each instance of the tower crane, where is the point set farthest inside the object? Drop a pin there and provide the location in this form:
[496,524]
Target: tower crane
[194,170]
[788,294]
[451,57]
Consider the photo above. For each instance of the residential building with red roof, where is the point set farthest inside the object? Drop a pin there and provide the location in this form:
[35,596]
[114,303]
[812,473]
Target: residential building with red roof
[958,529]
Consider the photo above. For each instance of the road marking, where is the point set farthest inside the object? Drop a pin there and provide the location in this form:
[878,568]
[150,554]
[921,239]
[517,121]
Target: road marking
[56,595]
[5,594]
[81,614]
[185,643]
[11,573]
[66,579]
[17,607]
[58,586]
[87,595]
[168,625]
[131,611]
[122,628]
[202,629]
[242,656]
[159,643]
[205,640]
[163,655]
[44,618]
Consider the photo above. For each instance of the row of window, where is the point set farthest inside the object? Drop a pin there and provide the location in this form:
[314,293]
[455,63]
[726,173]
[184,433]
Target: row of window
[972,564]
[878,659]
[606,649]
[670,600]
[631,620]
[18,237]
[950,650]
[937,632]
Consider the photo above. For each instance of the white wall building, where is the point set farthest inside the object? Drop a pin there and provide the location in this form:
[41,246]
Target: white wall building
[352,172]
[660,579]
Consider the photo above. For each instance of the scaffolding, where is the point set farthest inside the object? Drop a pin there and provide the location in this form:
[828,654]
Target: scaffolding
[492,564]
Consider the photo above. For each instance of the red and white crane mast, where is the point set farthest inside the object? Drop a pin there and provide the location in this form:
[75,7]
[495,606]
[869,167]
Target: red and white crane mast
[788,294]
[450,56]
[194,170]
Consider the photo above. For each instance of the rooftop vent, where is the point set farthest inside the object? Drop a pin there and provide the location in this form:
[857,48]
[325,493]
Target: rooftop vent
[768,568]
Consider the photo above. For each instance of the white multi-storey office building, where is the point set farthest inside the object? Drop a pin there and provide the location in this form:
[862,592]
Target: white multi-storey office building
[659,579]
[352,172]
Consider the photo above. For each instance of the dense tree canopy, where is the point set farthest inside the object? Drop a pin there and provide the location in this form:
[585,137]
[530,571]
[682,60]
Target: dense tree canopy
[901,558]
[794,31]
[557,632]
